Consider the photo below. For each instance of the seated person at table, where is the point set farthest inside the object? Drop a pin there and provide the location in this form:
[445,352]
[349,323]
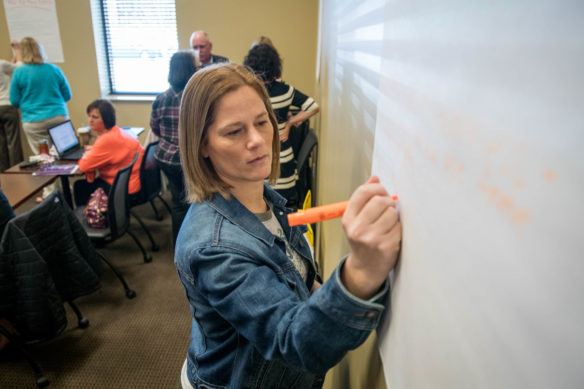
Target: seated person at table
[113,150]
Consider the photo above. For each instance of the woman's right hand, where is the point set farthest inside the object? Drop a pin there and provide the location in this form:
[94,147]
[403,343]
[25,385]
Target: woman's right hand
[285,132]
[372,226]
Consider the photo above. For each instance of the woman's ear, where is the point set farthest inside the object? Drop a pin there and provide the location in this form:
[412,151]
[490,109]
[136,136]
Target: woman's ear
[205,147]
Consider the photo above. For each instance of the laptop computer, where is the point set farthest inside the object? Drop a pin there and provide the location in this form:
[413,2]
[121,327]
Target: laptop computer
[65,140]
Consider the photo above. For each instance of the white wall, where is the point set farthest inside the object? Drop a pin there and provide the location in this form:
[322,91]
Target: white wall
[480,132]
[477,110]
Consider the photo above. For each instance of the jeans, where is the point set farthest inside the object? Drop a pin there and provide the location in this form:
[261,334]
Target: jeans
[176,184]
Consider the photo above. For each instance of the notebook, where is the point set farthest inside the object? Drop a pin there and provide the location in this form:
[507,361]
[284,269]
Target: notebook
[65,140]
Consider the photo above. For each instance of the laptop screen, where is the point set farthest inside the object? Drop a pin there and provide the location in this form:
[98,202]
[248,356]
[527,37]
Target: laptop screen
[63,136]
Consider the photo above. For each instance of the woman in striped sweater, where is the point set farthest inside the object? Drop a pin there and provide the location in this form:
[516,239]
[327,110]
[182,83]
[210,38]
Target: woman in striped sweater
[265,62]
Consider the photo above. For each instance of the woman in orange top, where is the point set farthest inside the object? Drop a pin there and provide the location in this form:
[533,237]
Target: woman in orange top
[112,150]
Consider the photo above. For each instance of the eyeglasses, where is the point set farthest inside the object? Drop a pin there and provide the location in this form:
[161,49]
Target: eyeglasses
[199,47]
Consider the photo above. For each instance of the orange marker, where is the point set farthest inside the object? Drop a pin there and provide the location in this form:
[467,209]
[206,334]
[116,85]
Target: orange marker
[318,214]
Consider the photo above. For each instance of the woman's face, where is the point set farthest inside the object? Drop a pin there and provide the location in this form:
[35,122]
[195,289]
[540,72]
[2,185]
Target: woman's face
[239,141]
[95,121]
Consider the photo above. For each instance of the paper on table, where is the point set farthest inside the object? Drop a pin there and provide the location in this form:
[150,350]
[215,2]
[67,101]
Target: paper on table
[57,170]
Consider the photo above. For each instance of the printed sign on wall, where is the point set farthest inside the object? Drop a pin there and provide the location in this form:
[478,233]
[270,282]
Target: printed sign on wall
[37,19]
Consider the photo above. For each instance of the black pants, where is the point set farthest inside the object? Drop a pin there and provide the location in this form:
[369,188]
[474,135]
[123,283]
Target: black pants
[82,190]
[10,147]
[176,184]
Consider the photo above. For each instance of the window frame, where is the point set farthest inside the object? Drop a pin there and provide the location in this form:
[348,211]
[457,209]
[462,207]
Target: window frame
[103,57]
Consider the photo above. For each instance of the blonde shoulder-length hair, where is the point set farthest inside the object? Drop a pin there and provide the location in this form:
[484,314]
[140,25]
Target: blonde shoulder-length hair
[197,112]
[32,52]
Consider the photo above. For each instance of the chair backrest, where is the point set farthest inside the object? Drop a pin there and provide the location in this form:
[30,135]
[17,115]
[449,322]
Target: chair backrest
[46,258]
[118,208]
[306,171]
[298,135]
[6,211]
[150,180]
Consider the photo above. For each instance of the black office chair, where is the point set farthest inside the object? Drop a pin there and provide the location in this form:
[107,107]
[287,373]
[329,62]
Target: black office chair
[306,167]
[150,182]
[118,213]
[45,259]
[84,240]
[150,188]
[20,346]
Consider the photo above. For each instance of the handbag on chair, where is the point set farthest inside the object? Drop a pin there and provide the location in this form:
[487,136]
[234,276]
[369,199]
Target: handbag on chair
[96,210]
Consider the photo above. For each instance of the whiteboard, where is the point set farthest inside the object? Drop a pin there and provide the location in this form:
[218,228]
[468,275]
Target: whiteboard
[37,19]
[480,131]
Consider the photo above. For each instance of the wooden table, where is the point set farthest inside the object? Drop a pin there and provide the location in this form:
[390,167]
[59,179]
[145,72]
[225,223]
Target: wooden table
[65,186]
[18,170]
[20,187]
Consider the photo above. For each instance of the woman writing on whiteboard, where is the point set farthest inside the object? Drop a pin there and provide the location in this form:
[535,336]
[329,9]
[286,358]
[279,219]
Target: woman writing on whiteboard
[261,318]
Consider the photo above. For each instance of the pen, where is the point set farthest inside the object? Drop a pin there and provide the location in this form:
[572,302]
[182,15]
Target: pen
[318,214]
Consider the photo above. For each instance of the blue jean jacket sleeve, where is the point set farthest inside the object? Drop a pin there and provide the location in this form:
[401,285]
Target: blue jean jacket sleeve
[254,318]
[261,305]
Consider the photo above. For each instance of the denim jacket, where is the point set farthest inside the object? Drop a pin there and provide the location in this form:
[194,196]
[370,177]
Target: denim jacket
[255,323]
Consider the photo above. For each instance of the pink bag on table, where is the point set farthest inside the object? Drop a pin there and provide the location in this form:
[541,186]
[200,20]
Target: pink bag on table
[96,210]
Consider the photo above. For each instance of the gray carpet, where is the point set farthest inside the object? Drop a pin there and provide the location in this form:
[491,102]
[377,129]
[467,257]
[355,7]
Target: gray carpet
[135,343]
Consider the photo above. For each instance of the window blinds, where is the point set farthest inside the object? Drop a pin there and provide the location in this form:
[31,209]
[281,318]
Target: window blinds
[139,38]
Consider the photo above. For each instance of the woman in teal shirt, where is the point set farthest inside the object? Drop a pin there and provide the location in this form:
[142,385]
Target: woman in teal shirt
[41,91]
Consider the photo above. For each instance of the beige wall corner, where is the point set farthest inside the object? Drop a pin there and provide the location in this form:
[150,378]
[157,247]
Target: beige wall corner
[347,91]
[360,369]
